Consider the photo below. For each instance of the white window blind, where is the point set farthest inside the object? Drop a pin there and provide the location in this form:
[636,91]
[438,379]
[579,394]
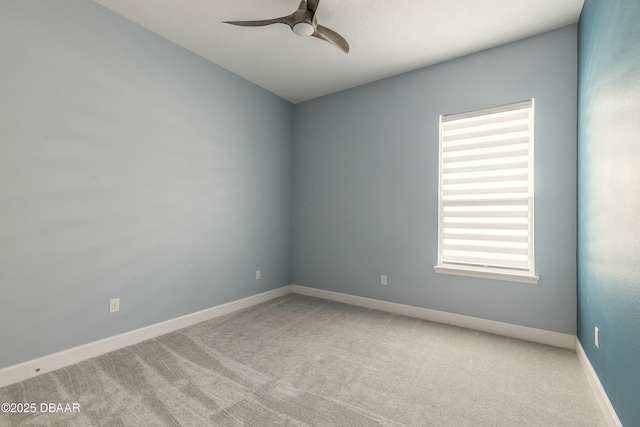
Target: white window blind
[486,190]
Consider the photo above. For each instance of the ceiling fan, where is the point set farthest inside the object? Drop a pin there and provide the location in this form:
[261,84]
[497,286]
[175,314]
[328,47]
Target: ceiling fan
[303,22]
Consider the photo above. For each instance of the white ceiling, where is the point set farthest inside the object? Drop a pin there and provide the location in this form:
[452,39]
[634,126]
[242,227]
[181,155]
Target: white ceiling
[386,37]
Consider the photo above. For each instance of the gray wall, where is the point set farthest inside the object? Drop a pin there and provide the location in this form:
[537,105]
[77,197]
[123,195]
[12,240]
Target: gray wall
[131,168]
[609,198]
[366,184]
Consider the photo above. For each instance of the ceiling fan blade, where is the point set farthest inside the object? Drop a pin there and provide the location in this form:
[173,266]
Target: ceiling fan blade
[328,35]
[312,5]
[283,20]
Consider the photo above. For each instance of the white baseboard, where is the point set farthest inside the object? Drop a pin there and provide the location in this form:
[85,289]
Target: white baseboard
[555,339]
[598,391]
[26,370]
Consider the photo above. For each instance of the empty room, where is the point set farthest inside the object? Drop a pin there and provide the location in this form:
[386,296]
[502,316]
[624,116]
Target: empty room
[320,213]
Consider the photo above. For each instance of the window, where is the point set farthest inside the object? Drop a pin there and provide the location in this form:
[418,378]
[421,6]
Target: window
[486,193]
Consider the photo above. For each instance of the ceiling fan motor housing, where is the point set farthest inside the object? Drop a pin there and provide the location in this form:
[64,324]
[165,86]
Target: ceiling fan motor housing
[305,22]
[303,28]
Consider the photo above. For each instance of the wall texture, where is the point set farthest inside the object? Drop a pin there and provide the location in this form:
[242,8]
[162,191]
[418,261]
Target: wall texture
[366,184]
[131,168]
[609,198]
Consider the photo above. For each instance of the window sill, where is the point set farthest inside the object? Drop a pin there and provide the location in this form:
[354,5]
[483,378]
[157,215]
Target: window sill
[483,274]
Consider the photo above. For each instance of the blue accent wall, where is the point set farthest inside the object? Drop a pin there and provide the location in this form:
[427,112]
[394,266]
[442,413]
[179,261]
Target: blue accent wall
[366,184]
[609,198]
[130,168]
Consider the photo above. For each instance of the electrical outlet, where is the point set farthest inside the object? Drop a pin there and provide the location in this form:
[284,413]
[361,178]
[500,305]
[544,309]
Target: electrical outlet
[597,337]
[114,305]
[258,275]
[383,279]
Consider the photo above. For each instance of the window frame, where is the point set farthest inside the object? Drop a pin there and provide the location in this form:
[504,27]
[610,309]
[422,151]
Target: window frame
[485,272]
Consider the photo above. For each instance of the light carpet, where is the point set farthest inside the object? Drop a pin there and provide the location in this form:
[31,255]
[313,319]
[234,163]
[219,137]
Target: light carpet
[302,361]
